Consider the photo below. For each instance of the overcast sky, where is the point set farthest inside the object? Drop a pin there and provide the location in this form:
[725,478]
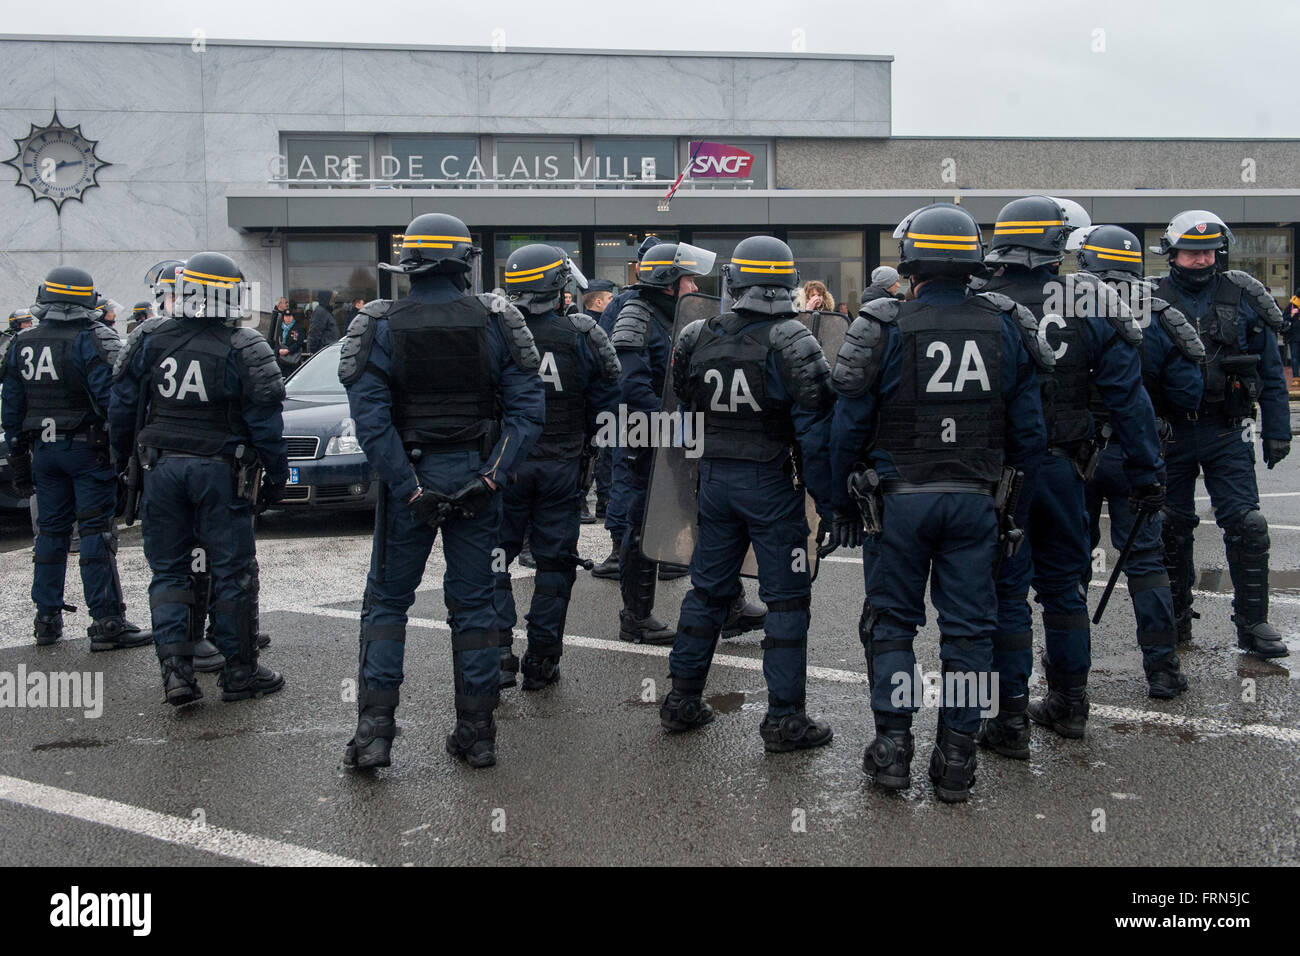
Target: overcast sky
[1195,68]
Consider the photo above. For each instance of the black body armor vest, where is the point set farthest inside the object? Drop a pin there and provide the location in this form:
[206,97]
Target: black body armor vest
[946,421]
[190,409]
[1232,392]
[55,388]
[565,429]
[441,375]
[729,373]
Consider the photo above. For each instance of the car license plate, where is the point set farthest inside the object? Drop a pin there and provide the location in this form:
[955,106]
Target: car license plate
[293,476]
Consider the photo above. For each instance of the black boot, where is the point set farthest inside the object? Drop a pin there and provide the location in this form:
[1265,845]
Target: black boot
[1165,678]
[179,686]
[1008,732]
[684,707]
[540,670]
[526,555]
[207,659]
[795,731]
[116,634]
[952,765]
[743,616]
[636,621]
[243,680]
[1247,546]
[474,738]
[609,567]
[585,516]
[888,758]
[1065,708]
[671,572]
[602,506]
[371,746]
[48,628]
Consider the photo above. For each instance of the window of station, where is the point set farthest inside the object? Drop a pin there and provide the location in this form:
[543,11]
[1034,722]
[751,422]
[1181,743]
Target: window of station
[332,158]
[506,244]
[833,258]
[630,160]
[333,270]
[430,157]
[616,254]
[536,159]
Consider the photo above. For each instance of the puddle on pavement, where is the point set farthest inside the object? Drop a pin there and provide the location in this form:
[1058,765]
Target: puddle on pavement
[726,703]
[1182,733]
[76,743]
[1248,666]
[1218,580]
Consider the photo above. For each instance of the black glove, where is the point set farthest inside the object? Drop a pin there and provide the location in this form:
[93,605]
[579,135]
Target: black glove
[846,530]
[426,507]
[271,492]
[20,466]
[472,497]
[1275,450]
[1148,499]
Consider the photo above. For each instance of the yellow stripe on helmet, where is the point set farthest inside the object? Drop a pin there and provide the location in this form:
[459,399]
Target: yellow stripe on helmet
[769,270]
[406,239]
[1016,232]
[527,275]
[971,247]
[763,262]
[191,274]
[1195,235]
[70,289]
[941,238]
[1029,222]
[1128,255]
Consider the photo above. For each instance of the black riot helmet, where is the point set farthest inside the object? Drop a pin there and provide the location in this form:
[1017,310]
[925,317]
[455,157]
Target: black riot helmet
[210,286]
[1102,250]
[761,260]
[536,274]
[17,317]
[67,284]
[662,265]
[940,239]
[141,311]
[435,243]
[1032,231]
[1195,229]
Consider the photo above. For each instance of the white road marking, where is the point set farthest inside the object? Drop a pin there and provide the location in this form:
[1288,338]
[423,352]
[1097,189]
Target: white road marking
[160,826]
[836,675]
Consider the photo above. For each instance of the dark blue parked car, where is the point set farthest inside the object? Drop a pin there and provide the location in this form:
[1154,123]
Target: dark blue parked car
[327,469]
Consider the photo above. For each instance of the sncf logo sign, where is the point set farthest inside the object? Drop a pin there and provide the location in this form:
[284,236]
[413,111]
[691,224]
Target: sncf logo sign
[717,160]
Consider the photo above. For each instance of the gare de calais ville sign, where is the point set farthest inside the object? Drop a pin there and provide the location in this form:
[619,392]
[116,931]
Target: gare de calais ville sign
[708,161]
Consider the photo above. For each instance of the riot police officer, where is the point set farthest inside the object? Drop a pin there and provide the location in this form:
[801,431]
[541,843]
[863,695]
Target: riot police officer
[444,390]
[1239,322]
[1096,343]
[594,302]
[56,398]
[936,396]
[209,396]
[775,383]
[1171,372]
[140,312]
[580,372]
[616,507]
[19,319]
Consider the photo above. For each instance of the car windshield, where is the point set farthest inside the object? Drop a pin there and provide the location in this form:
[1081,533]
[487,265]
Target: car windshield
[319,377]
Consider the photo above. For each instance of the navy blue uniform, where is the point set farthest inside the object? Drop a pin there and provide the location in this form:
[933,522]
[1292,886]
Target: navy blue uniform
[580,374]
[60,373]
[1218,442]
[747,494]
[1173,382]
[1056,556]
[947,537]
[612,459]
[211,392]
[468,543]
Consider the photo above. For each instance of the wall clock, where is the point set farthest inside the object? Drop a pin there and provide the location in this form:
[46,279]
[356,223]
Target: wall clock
[56,162]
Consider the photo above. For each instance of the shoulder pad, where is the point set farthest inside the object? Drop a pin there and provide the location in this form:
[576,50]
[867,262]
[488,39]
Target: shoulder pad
[631,326]
[1115,311]
[1265,305]
[858,363]
[518,338]
[977,282]
[580,321]
[6,340]
[376,308]
[134,342]
[107,343]
[263,383]
[600,346]
[680,363]
[1176,326]
[883,310]
[354,353]
[1035,344]
[803,364]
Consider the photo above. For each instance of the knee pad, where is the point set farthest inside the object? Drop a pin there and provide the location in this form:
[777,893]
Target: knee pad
[1248,532]
[555,576]
[51,548]
[370,634]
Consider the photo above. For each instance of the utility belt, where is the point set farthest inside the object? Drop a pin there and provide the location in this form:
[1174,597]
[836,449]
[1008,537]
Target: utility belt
[1085,455]
[896,486]
[245,464]
[868,490]
[1211,413]
[483,444]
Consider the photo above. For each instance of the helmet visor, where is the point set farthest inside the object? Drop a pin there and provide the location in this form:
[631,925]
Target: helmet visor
[575,274]
[694,261]
[1075,216]
[1077,238]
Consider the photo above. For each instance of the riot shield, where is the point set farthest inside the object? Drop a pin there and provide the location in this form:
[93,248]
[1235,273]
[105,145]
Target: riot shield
[669,530]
